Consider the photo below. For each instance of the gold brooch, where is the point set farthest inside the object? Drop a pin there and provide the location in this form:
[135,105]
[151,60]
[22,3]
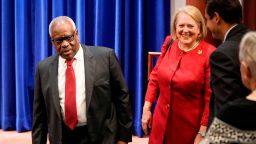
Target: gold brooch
[200,52]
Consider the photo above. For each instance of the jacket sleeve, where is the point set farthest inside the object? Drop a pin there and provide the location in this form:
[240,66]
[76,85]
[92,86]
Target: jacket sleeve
[207,89]
[39,126]
[153,87]
[121,100]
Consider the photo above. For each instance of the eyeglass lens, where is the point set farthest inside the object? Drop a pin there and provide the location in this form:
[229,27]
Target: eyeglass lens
[68,38]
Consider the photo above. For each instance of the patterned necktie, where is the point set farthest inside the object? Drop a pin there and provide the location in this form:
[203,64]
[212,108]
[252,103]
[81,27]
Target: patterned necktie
[70,96]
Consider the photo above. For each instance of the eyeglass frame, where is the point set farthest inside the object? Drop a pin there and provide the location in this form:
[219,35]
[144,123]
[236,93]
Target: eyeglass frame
[68,38]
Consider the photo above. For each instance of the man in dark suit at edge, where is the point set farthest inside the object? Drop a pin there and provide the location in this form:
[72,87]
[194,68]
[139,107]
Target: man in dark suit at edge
[87,104]
[223,19]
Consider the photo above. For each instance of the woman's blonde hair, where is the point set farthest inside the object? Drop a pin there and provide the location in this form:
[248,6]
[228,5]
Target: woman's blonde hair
[196,15]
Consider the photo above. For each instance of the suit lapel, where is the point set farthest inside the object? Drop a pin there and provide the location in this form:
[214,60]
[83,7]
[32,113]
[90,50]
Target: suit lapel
[89,68]
[53,72]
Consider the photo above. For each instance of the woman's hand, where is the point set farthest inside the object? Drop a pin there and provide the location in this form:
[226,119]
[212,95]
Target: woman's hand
[200,135]
[198,139]
[146,119]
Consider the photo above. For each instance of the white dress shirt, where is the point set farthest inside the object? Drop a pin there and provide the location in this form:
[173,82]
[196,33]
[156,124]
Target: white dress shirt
[78,66]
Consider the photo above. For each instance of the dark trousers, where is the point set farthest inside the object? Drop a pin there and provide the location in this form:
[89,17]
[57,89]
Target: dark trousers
[78,135]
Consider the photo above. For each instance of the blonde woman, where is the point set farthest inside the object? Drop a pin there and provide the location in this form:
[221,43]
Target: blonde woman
[181,77]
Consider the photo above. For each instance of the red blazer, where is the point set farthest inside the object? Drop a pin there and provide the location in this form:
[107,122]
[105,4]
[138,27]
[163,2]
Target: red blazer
[182,80]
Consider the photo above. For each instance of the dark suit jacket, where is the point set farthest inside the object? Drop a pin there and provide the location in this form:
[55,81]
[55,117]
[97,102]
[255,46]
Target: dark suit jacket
[108,112]
[225,72]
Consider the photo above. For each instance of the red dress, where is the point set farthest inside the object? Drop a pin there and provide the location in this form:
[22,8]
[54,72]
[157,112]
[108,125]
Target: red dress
[183,80]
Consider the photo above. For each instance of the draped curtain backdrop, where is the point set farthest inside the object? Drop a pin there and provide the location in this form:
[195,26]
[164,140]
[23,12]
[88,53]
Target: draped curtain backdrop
[131,27]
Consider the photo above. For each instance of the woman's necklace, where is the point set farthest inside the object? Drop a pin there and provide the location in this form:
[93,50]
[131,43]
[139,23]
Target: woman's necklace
[189,49]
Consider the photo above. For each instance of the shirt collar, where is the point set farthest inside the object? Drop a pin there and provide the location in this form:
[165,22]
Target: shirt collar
[79,54]
[226,34]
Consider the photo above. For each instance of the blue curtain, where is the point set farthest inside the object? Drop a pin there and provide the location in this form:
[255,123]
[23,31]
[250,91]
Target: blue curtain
[131,27]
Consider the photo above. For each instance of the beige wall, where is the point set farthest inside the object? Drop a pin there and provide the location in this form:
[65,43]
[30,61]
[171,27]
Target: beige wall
[176,4]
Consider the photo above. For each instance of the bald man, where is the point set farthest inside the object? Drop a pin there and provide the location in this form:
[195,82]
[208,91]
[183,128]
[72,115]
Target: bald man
[80,93]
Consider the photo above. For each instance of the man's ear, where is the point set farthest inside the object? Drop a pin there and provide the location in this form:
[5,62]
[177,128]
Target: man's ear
[216,17]
[76,32]
[246,74]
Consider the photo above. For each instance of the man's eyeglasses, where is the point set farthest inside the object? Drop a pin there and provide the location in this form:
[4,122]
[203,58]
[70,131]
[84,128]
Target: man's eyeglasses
[68,38]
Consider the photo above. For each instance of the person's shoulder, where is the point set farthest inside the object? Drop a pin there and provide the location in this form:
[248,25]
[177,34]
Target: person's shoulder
[228,47]
[209,48]
[236,102]
[240,28]
[239,113]
[47,60]
[97,48]
[207,45]
[237,32]
[241,103]
[233,107]
[45,63]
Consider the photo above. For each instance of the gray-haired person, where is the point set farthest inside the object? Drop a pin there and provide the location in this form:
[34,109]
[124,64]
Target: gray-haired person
[80,93]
